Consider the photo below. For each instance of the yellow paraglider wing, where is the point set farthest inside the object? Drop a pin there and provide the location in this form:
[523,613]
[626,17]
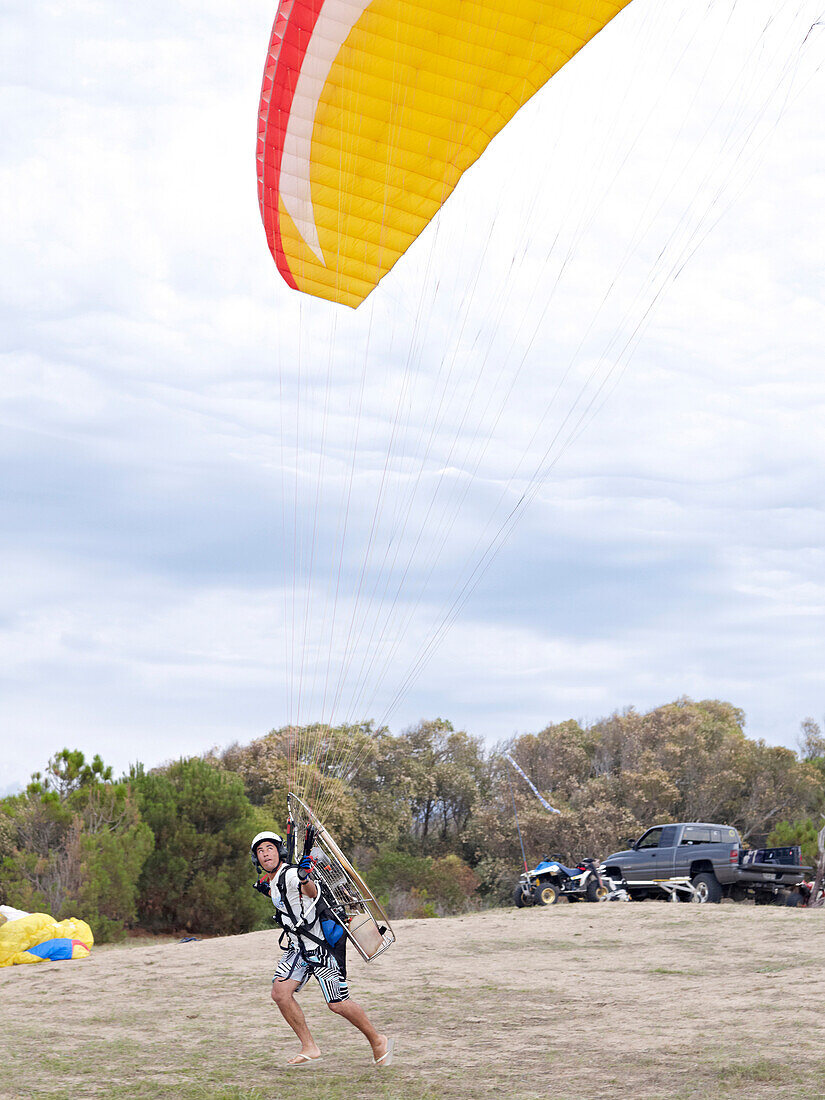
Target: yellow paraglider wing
[372,109]
[18,937]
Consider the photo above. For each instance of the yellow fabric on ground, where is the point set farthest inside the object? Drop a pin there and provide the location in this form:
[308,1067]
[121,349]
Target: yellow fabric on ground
[17,936]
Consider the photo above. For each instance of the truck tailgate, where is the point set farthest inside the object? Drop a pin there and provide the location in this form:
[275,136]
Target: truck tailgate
[777,868]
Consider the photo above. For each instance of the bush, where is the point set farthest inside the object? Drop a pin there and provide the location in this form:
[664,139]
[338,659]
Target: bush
[111,862]
[73,845]
[198,877]
[420,886]
[804,832]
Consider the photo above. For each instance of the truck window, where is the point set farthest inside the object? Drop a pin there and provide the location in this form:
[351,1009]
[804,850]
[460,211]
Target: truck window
[668,837]
[650,838]
[695,834]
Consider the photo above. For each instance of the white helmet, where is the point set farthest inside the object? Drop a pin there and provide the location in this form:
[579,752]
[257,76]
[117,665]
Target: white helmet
[277,840]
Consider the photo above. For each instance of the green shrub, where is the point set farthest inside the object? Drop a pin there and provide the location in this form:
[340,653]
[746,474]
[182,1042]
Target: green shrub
[73,845]
[803,832]
[198,877]
[420,886]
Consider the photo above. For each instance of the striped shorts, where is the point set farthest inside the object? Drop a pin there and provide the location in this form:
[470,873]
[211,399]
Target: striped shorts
[326,973]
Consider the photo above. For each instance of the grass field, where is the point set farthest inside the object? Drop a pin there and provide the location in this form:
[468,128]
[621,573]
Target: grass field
[617,1000]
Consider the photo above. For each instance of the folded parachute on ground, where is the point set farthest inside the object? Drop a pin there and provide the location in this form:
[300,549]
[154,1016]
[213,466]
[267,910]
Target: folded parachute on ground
[372,109]
[38,936]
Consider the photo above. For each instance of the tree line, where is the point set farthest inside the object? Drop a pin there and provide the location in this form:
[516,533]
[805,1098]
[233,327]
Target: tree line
[429,816]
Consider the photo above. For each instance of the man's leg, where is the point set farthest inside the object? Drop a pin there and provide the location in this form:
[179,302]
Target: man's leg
[353,1012]
[283,994]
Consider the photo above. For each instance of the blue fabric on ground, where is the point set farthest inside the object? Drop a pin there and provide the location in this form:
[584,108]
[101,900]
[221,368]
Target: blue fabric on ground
[56,950]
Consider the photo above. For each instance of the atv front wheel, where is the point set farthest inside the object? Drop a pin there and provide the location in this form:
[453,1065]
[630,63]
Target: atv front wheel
[522,896]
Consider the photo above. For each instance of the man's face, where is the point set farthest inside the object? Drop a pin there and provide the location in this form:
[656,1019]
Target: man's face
[267,854]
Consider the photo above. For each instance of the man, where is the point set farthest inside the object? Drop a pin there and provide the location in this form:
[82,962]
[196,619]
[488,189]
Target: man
[309,953]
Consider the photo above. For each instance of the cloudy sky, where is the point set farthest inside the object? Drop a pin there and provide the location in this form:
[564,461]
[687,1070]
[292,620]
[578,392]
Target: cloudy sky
[568,458]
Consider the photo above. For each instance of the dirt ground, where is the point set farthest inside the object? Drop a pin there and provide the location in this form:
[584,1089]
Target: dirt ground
[640,1000]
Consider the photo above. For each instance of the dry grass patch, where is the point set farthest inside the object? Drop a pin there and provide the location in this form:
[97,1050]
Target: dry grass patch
[485,1006]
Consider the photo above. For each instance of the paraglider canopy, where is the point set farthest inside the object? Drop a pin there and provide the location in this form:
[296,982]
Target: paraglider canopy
[35,937]
[372,109]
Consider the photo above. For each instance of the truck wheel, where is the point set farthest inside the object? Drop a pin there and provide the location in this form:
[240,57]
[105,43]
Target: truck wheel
[594,892]
[707,888]
[546,894]
[522,896]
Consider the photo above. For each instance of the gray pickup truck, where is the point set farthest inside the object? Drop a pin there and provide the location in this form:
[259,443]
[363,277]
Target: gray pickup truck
[711,857]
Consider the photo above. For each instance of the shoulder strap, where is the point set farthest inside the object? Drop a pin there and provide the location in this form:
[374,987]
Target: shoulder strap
[280,883]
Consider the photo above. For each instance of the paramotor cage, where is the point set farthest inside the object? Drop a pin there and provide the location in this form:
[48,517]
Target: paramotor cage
[364,921]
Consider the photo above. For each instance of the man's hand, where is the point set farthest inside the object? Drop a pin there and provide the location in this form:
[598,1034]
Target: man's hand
[262,886]
[305,867]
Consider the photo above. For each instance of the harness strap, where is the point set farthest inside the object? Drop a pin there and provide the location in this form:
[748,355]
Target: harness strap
[300,926]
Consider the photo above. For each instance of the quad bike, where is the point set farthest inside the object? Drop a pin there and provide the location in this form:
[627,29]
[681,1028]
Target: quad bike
[551,879]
